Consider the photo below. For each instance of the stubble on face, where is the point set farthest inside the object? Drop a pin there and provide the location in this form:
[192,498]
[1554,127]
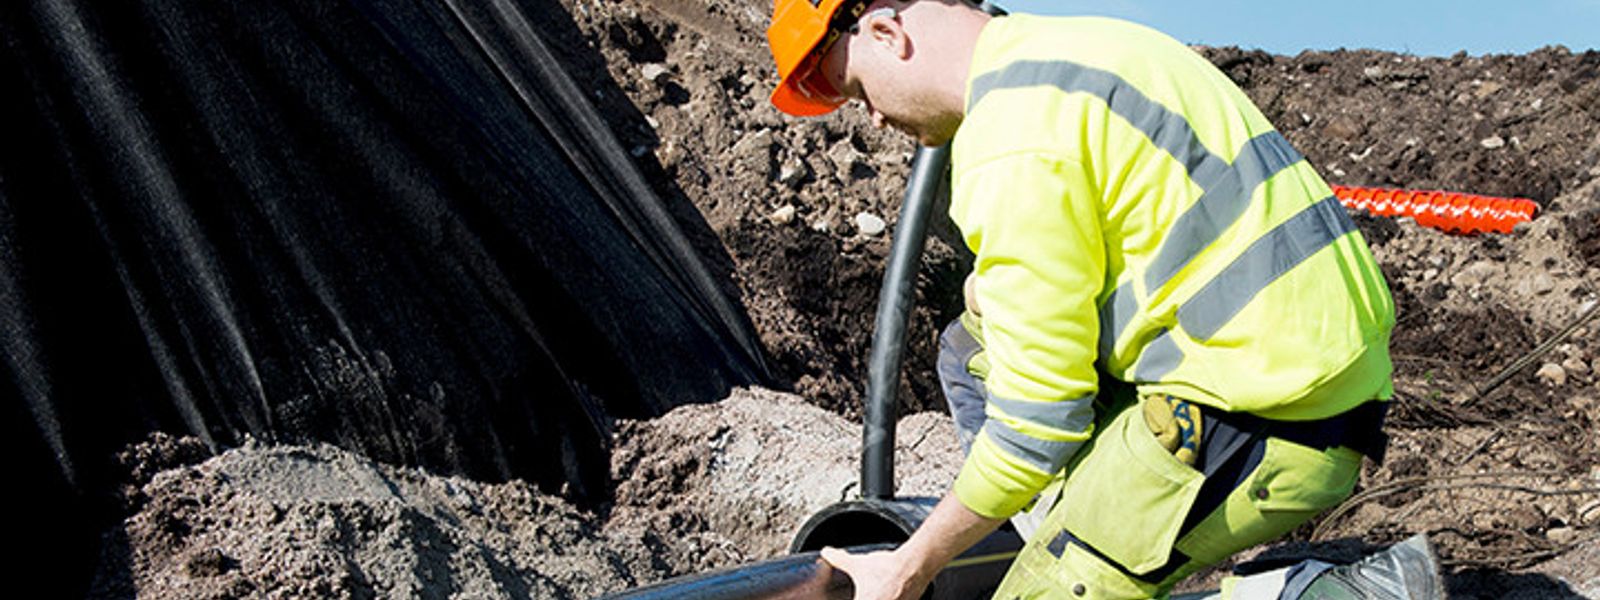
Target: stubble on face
[927,129]
[917,118]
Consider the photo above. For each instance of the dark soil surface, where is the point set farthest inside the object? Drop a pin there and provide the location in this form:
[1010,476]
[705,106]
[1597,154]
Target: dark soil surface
[1502,472]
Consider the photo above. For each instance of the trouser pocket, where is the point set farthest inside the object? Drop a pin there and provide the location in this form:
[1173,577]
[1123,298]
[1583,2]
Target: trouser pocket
[1121,508]
[1070,572]
[1128,496]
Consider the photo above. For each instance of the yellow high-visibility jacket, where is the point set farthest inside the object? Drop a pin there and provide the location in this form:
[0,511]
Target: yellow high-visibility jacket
[1131,209]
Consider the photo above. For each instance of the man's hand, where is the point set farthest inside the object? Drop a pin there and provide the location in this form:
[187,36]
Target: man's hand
[882,575]
[902,574]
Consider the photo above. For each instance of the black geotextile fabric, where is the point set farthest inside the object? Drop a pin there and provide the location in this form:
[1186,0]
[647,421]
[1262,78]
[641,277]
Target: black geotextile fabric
[391,225]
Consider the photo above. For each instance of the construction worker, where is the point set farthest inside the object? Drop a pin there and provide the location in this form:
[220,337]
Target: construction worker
[1174,330]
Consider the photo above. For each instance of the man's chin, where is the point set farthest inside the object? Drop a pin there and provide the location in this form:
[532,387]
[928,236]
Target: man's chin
[921,134]
[931,139]
[930,134]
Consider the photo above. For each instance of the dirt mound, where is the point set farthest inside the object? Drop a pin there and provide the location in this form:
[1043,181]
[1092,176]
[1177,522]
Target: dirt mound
[319,522]
[700,488]
[748,471]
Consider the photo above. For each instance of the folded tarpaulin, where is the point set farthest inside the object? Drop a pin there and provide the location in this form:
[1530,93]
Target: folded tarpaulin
[392,225]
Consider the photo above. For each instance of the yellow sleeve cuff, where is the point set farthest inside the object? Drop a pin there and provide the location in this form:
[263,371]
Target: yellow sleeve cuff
[994,484]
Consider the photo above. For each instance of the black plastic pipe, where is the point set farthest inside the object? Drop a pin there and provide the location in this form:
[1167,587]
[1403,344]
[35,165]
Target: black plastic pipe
[859,523]
[858,526]
[803,575]
[894,311]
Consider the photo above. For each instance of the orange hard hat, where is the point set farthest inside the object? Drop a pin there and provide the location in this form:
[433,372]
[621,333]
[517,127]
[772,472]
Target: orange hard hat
[801,32]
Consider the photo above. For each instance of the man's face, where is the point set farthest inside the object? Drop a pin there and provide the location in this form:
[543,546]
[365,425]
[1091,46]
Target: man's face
[865,65]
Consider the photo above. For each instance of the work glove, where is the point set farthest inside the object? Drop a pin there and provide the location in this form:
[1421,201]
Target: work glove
[1176,425]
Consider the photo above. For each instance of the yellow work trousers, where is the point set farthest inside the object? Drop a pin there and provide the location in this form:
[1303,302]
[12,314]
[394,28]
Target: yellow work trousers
[1113,532]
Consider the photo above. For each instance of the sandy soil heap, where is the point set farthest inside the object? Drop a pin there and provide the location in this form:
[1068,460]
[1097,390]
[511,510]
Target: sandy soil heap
[701,488]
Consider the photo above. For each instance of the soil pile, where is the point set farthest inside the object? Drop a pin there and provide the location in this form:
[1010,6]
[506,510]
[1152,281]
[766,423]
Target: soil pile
[701,488]
[319,522]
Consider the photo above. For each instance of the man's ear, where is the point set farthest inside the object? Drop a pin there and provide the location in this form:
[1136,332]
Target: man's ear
[889,32]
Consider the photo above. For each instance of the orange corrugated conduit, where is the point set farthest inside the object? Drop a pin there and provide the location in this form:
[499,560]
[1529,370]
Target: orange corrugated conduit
[1451,212]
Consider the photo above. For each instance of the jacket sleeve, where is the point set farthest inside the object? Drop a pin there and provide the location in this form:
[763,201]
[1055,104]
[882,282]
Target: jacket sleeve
[1034,223]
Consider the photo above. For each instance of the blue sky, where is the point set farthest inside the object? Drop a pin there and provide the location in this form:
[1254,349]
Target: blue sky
[1425,28]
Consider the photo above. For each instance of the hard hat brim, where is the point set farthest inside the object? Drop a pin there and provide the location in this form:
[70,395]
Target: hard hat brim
[789,99]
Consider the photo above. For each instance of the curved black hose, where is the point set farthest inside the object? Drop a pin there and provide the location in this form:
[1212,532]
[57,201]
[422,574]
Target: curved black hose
[894,309]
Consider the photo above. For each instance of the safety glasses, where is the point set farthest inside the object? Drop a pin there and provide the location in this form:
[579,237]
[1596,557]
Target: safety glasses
[813,82]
